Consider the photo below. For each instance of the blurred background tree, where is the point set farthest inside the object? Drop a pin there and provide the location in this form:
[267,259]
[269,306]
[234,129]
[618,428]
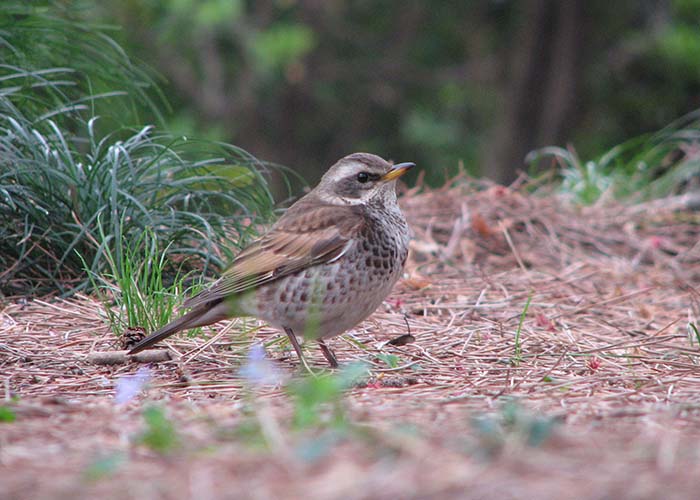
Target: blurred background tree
[304,82]
[301,83]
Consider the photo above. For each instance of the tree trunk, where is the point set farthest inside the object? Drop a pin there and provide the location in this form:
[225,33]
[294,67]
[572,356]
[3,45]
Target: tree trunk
[541,88]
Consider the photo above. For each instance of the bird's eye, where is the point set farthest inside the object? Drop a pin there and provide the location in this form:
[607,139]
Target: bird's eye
[362,177]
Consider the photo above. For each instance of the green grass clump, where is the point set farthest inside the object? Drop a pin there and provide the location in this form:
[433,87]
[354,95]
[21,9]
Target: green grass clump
[133,289]
[52,195]
[54,64]
[646,167]
[321,420]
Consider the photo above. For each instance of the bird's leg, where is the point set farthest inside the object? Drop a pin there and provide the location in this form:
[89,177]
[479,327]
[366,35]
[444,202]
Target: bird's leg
[328,354]
[297,347]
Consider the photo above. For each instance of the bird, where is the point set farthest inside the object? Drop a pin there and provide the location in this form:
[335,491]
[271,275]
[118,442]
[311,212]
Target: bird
[322,268]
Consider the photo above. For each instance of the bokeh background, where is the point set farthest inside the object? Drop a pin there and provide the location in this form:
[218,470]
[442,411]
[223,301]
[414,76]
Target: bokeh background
[481,83]
[252,100]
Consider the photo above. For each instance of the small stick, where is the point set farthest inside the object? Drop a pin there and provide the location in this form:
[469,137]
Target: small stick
[120,357]
[328,354]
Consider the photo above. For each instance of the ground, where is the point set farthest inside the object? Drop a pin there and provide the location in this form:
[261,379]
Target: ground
[554,357]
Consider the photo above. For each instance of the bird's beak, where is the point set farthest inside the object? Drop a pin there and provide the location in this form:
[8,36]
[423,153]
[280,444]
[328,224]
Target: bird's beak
[398,170]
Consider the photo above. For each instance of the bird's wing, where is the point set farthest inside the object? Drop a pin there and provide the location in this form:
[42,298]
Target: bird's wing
[308,234]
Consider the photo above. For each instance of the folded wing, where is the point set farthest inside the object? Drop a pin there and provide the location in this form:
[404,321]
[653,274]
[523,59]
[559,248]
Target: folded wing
[318,234]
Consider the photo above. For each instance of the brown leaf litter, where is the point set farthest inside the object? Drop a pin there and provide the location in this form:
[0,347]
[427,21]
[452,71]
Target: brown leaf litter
[605,348]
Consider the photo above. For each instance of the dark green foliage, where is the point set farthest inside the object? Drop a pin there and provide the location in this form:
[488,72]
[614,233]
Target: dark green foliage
[642,72]
[432,82]
[312,84]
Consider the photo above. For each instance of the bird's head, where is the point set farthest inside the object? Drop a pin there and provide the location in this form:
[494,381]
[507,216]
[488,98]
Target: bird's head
[361,178]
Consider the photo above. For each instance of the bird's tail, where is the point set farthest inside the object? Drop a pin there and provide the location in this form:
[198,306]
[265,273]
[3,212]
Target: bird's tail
[206,314]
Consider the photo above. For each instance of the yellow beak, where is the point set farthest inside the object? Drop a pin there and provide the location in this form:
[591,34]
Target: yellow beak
[398,170]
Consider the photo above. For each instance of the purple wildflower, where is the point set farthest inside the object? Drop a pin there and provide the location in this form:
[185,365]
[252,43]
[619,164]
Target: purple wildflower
[258,370]
[129,386]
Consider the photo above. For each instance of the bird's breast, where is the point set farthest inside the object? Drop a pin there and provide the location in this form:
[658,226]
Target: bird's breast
[328,299]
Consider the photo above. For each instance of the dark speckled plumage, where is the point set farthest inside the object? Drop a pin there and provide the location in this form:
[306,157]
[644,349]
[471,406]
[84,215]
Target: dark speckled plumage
[326,265]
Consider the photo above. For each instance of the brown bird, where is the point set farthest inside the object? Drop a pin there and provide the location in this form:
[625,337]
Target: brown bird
[323,267]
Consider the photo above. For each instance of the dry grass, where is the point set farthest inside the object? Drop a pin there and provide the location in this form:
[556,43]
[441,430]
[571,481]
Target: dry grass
[604,348]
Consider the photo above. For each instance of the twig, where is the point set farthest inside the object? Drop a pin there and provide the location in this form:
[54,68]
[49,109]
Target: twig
[121,357]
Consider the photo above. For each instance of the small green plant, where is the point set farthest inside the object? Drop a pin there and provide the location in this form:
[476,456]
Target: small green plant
[103,466]
[249,430]
[512,424]
[318,399]
[391,360]
[7,415]
[693,333]
[134,290]
[160,434]
[517,356]
[319,415]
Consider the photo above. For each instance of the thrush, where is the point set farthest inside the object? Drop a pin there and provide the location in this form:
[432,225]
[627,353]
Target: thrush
[322,268]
